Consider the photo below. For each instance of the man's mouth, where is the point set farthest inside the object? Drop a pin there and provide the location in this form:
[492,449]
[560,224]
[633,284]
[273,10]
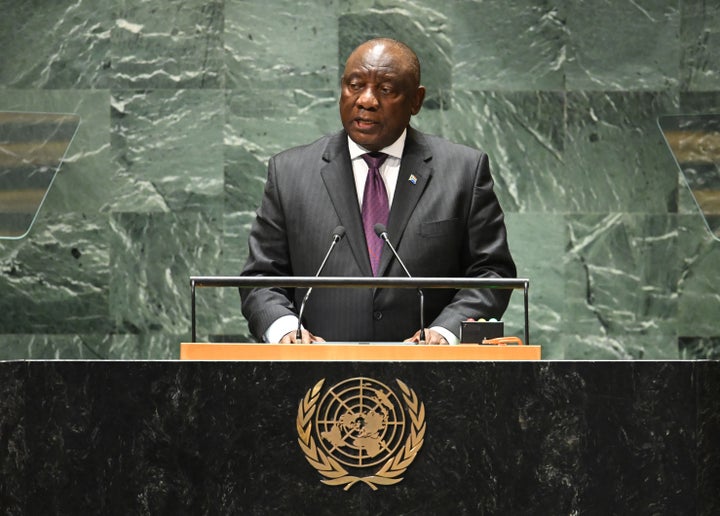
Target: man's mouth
[364,123]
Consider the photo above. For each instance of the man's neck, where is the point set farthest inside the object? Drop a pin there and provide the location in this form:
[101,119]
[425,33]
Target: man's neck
[395,149]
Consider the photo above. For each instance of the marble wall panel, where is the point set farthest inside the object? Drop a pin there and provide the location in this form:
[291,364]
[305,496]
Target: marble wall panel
[621,275]
[169,44]
[692,102]
[263,125]
[67,346]
[170,143]
[523,133]
[508,46]
[281,45]
[153,257]
[589,346]
[699,268]
[183,102]
[692,348]
[540,264]
[62,44]
[700,45]
[244,177]
[226,323]
[56,281]
[622,46]
[616,159]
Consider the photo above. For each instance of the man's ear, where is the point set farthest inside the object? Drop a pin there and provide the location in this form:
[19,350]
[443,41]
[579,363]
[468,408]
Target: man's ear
[418,100]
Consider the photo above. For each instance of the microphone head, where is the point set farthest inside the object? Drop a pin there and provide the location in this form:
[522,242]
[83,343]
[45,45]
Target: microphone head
[380,229]
[339,232]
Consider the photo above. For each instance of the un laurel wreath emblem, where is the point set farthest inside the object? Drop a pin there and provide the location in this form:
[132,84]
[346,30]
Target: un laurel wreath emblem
[358,424]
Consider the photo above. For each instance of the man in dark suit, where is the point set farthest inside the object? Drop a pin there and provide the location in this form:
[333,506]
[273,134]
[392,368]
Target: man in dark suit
[444,219]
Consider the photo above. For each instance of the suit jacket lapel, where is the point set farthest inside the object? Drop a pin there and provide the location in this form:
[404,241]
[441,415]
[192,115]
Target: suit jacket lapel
[415,173]
[337,175]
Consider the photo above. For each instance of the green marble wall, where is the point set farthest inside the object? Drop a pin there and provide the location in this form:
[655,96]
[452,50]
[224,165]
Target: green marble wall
[182,103]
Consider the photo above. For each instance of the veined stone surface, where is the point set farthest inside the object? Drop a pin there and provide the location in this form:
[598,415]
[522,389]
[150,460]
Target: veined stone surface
[183,102]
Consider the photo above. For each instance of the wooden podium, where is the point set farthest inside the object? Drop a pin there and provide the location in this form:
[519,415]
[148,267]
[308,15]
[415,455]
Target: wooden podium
[352,352]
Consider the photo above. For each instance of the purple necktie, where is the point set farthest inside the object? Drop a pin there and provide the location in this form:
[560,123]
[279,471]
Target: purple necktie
[375,207]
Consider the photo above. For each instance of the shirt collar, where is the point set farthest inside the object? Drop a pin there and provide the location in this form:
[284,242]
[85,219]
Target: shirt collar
[395,150]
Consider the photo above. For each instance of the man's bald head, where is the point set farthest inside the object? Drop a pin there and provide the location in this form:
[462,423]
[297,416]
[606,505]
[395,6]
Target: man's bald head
[408,56]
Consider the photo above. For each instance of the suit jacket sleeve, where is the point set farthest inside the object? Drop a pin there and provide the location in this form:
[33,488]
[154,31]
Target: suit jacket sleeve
[309,191]
[447,224]
[267,256]
[484,254]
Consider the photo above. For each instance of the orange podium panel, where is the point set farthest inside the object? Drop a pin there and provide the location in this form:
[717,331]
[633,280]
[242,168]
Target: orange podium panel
[355,352]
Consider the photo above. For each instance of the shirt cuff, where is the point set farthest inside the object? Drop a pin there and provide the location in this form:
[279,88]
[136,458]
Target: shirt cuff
[281,327]
[449,336]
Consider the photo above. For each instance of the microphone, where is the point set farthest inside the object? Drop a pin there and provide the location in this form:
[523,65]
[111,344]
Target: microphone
[381,231]
[338,234]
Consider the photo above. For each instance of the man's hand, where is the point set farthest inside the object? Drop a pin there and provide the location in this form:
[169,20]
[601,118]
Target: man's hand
[307,338]
[431,337]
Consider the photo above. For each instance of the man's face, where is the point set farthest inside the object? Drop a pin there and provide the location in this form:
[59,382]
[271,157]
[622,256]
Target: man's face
[379,94]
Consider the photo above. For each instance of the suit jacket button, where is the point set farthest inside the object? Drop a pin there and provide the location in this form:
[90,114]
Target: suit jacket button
[377,315]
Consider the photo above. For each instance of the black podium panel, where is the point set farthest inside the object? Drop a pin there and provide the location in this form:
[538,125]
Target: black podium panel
[222,438]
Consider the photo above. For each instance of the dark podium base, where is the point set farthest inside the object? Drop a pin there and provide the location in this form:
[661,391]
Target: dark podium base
[221,438]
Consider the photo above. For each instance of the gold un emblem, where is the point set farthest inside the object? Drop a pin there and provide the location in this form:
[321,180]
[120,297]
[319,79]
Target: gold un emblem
[359,424]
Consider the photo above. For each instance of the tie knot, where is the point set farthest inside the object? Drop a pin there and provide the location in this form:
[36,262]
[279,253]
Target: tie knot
[374,159]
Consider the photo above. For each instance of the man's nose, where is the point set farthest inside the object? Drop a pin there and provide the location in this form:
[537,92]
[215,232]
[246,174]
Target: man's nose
[367,99]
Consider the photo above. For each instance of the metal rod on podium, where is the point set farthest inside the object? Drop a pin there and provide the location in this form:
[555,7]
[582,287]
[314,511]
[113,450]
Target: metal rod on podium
[363,281]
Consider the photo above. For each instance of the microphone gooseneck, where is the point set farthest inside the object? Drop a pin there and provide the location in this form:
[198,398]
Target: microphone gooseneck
[381,231]
[338,234]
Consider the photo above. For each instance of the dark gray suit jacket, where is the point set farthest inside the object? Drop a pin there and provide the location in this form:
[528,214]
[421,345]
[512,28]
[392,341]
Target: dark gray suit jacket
[448,223]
